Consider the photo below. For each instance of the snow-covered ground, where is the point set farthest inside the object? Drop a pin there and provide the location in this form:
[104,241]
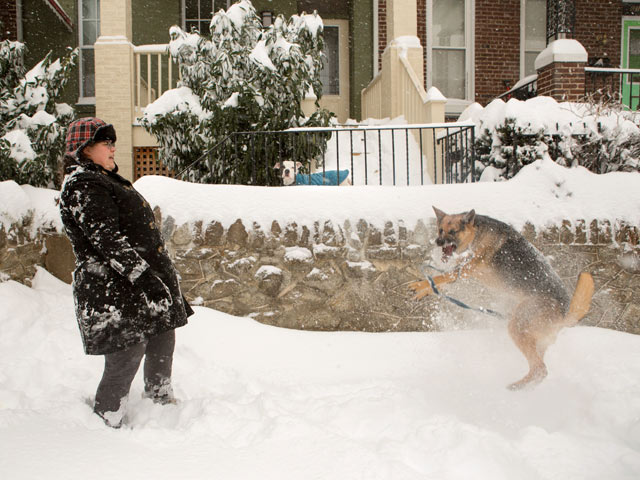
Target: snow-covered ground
[260,402]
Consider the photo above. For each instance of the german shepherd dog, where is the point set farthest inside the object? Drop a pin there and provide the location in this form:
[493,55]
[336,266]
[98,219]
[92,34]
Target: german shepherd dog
[499,257]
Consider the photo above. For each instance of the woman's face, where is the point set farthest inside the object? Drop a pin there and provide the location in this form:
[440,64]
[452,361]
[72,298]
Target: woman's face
[102,153]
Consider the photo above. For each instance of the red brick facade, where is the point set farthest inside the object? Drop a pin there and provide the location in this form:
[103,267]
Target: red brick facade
[9,20]
[497,47]
[497,40]
[562,81]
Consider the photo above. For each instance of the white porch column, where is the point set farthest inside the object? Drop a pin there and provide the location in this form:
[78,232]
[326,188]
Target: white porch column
[402,29]
[114,77]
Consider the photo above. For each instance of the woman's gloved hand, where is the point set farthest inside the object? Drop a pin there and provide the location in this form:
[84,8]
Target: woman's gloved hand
[155,292]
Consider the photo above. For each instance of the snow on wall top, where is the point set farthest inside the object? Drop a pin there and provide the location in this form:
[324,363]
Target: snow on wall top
[542,194]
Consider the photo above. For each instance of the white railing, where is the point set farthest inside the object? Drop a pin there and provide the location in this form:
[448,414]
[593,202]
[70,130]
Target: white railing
[371,98]
[154,74]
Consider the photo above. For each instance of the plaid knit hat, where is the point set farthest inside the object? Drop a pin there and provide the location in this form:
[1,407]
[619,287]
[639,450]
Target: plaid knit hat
[85,131]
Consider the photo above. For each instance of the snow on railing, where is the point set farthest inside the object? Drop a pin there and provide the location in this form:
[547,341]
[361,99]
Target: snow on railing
[154,74]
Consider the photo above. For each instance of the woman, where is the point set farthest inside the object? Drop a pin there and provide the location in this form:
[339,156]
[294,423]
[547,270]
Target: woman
[126,290]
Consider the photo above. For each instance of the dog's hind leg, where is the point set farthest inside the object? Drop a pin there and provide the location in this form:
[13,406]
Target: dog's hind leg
[533,329]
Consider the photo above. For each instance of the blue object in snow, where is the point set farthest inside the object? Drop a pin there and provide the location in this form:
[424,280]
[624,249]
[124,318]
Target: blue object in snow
[329,177]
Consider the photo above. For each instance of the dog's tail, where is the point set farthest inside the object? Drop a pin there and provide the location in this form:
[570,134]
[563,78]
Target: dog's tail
[581,300]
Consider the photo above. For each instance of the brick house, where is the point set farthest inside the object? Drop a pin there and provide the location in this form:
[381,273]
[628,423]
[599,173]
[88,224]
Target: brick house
[383,55]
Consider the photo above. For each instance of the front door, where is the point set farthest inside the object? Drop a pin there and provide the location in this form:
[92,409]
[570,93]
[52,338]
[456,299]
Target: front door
[631,59]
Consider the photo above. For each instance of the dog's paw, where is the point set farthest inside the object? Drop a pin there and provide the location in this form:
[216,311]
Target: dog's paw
[421,288]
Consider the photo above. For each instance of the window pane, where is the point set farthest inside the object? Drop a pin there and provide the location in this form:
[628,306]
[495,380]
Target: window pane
[89,32]
[191,8]
[330,74]
[189,24]
[448,23]
[90,9]
[535,25]
[204,27]
[88,72]
[449,72]
[206,8]
[634,48]
[529,61]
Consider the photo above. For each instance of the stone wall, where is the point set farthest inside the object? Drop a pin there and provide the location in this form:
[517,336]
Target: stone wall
[352,276]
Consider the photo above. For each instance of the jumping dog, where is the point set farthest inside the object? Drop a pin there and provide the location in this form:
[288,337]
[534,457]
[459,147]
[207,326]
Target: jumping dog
[499,257]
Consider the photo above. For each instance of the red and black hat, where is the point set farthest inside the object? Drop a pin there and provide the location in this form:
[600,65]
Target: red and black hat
[86,131]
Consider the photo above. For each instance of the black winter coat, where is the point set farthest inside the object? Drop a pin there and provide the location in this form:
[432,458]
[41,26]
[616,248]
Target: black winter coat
[115,239]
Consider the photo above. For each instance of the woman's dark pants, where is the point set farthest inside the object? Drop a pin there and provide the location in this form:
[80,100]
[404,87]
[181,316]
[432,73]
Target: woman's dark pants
[120,368]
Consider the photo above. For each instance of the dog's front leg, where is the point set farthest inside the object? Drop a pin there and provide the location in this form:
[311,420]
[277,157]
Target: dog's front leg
[423,287]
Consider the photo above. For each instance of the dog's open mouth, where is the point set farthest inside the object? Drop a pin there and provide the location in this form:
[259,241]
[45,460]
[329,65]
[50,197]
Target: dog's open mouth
[447,251]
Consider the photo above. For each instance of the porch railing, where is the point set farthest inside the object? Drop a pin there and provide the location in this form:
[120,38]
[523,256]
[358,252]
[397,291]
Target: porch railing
[395,155]
[616,84]
[154,74]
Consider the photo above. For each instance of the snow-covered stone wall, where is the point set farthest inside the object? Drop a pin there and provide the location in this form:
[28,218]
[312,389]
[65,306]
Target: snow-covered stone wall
[354,276]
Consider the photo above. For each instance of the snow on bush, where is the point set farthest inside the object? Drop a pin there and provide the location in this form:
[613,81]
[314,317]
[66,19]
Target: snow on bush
[32,124]
[243,78]
[513,134]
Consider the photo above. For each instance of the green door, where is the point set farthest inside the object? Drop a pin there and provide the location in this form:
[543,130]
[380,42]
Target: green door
[631,59]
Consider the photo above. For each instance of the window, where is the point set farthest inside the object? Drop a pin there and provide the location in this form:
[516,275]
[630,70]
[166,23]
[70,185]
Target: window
[330,74]
[89,31]
[449,56]
[533,28]
[197,13]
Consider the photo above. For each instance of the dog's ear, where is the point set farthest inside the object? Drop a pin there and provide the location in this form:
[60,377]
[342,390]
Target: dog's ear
[469,216]
[277,166]
[439,214]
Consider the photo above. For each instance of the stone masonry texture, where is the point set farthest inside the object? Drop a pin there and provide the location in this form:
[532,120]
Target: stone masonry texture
[352,276]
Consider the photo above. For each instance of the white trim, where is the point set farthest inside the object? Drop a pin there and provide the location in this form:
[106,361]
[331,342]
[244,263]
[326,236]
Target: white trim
[85,100]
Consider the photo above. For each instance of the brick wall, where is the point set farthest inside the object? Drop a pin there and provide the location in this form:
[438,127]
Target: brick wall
[598,28]
[562,81]
[9,19]
[382,30]
[497,38]
[497,47]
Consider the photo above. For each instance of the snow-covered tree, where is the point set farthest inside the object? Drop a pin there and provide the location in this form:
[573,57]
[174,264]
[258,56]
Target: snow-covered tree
[32,125]
[243,78]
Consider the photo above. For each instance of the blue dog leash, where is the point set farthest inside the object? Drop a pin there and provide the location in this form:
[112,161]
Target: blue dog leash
[455,301]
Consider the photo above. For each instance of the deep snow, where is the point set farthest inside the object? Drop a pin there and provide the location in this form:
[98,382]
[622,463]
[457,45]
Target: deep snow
[269,403]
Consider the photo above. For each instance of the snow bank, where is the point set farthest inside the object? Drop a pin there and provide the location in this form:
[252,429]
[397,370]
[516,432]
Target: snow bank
[269,403]
[542,194]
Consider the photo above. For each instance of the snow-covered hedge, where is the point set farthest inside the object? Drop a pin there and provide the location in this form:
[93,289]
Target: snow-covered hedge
[242,78]
[32,125]
[513,134]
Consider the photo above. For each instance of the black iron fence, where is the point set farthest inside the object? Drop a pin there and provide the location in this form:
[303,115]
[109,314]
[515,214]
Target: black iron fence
[397,155]
[615,85]
[619,85]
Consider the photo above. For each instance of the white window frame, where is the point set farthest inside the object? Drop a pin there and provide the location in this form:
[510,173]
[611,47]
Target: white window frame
[523,34]
[82,99]
[456,105]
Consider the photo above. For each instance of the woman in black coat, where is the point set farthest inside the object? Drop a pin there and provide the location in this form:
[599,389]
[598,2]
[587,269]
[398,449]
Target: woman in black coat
[126,290]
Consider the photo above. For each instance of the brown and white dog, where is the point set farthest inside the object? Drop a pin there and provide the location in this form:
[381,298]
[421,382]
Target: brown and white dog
[291,175]
[499,257]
